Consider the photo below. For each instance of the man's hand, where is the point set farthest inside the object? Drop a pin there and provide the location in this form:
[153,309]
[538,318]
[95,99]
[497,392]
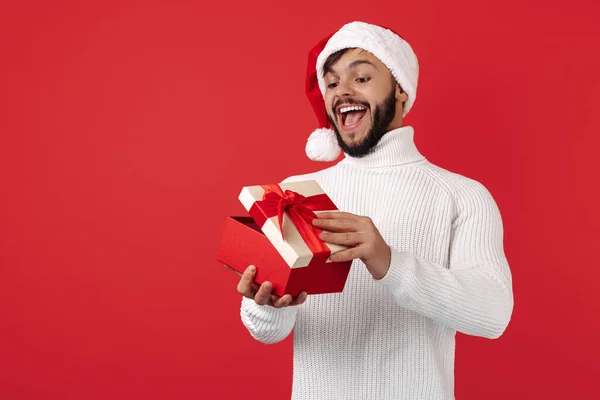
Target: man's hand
[361,235]
[262,295]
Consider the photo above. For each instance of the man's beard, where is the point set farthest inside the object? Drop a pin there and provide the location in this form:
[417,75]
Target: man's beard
[383,115]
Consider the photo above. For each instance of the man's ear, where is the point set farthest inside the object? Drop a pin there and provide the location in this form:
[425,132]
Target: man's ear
[401,95]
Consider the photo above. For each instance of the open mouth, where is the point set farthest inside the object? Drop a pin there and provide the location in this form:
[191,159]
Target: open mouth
[351,116]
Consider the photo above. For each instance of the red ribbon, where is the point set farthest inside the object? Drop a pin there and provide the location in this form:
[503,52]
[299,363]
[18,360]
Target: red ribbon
[300,209]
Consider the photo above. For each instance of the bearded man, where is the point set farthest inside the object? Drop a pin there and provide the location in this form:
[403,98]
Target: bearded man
[427,243]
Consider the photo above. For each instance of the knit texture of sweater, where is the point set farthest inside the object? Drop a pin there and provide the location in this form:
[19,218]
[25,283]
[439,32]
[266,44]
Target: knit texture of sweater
[394,338]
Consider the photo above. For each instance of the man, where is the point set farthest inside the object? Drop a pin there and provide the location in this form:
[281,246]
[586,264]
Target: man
[427,243]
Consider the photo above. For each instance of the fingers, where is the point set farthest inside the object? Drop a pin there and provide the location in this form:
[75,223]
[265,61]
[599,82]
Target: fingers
[347,255]
[338,215]
[263,296]
[337,225]
[343,222]
[244,287]
[301,298]
[288,300]
[282,301]
[344,238]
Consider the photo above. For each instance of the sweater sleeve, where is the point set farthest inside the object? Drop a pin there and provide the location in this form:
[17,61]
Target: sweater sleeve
[474,295]
[267,324]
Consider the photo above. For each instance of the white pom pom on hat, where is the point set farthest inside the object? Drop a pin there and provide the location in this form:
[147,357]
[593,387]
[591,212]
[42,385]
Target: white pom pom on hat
[383,43]
[322,145]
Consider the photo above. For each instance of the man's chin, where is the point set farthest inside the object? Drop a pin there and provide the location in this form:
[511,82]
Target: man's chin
[352,147]
[355,137]
[353,143]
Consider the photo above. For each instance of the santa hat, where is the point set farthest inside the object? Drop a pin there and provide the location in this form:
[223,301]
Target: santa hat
[383,43]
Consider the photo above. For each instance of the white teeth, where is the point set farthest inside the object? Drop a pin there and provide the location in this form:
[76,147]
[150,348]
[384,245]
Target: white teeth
[351,108]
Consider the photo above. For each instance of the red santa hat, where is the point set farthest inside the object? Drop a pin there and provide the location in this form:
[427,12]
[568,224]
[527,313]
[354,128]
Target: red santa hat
[383,43]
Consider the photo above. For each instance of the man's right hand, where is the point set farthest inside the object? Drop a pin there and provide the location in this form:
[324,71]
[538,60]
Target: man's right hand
[262,295]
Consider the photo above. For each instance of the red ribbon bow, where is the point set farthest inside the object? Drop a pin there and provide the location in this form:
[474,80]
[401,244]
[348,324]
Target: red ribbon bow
[300,209]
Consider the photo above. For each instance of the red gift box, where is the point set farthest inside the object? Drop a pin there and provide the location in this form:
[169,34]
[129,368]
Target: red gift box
[280,240]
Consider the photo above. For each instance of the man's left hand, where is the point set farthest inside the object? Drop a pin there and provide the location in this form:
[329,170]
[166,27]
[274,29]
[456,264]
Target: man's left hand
[361,235]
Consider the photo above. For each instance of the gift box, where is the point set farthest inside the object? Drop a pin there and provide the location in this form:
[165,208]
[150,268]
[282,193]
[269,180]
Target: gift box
[280,240]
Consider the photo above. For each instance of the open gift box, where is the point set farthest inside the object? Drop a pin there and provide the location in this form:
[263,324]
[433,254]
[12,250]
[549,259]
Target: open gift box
[280,240]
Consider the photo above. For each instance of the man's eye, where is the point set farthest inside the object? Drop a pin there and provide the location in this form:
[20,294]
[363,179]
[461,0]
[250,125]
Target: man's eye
[363,80]
[332,85]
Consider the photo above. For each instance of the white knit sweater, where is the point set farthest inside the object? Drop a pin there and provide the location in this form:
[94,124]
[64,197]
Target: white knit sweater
[395,338]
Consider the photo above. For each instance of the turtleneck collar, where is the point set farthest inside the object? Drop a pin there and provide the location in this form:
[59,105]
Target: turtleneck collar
[396,147]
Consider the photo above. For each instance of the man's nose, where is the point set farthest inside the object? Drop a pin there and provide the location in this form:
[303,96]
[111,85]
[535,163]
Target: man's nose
[345,88]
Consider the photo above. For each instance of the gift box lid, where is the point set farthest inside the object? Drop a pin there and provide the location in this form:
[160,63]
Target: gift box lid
[298,245]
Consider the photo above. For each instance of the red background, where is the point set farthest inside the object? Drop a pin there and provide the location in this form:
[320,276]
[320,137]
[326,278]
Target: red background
[127,131]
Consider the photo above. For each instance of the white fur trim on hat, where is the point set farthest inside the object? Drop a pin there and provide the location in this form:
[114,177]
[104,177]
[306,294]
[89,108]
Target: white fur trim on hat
[389,48]
[322,145]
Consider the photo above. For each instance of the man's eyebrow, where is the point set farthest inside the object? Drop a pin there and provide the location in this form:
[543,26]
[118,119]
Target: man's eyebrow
[356,63]
[352,65]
